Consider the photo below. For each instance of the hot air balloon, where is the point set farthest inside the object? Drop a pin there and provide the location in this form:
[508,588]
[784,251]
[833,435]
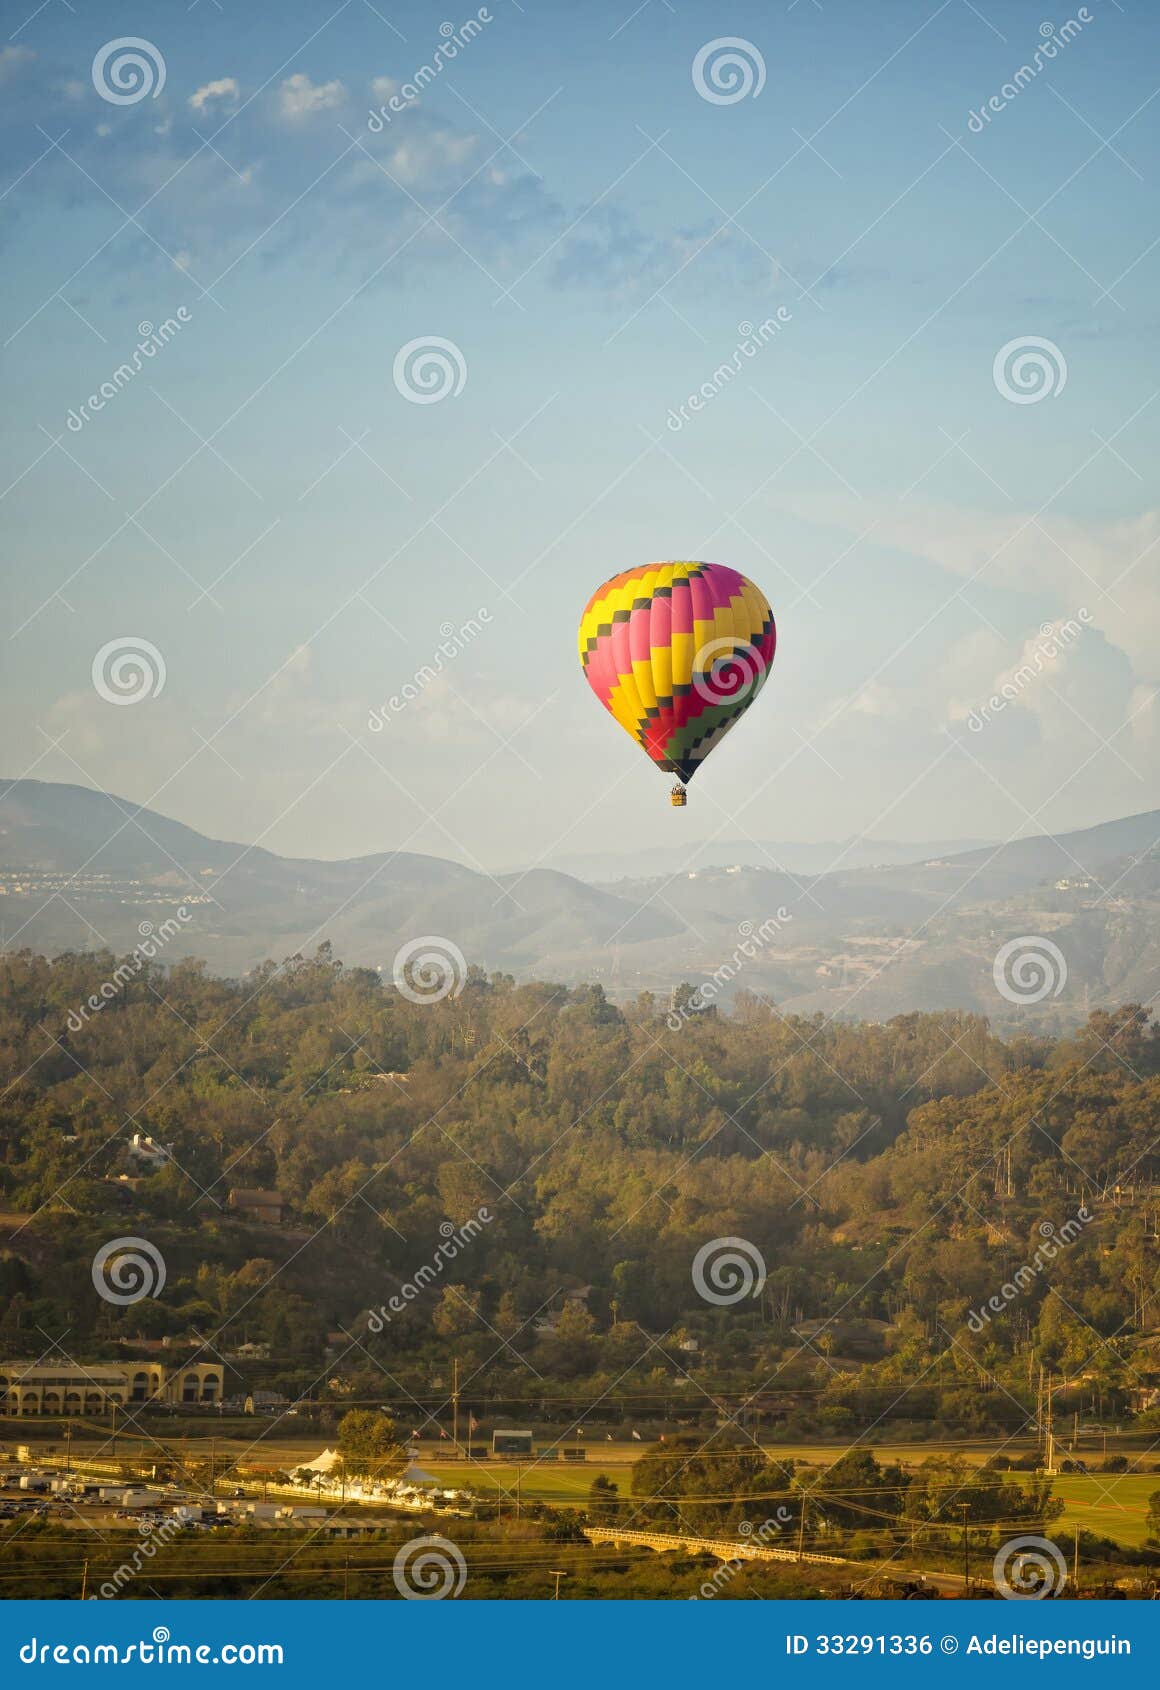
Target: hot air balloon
[677,652]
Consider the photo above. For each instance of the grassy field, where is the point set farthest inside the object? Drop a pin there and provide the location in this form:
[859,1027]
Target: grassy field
[550,1481]
[1111,1505]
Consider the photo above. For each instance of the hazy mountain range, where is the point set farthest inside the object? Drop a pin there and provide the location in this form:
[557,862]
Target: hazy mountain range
[893,927]
[795,856]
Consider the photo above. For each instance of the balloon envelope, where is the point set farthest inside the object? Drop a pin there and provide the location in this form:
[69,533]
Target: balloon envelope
[677,652]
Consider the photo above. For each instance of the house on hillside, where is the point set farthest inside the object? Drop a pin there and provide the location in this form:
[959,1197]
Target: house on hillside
[269,1207]
[145,1154]
[249,1352]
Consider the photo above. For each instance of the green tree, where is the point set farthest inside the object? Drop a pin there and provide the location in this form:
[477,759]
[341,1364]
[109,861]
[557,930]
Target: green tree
[368,1445]
[604,1500]
[457,1312]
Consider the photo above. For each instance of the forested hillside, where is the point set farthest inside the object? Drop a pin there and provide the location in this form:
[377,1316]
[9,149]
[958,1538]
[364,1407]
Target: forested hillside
[889,1178]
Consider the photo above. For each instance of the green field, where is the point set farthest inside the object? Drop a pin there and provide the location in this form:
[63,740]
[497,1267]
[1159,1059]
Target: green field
[1108,1504]
[549,1481]
[1111,1505]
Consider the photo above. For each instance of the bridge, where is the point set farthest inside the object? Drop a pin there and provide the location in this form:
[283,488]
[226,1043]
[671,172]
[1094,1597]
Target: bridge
[741,1550]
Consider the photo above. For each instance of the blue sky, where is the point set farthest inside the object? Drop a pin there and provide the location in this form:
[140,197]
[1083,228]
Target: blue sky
[291,533]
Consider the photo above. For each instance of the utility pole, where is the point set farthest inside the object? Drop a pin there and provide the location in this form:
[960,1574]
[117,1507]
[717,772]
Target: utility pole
[84,1580]
[1047,1426]
[966,1508]
[552,1573]
[455,1403]
[801,1527]
[1075,1560]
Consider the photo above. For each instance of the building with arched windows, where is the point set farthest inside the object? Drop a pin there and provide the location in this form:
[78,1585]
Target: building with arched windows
[65,1388]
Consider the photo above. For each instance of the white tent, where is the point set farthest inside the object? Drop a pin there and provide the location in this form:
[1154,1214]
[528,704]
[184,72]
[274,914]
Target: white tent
[415,1475]
[324,1463]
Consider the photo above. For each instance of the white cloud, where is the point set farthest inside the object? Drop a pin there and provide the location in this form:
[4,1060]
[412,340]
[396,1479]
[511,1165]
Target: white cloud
[11,59]
[460,709]
[876,700]
[1068,676]
[293,700]
[426,158]
[1064,563]
[222,88]
[301,98]
[1049,696]
[290,689]
[1110,567]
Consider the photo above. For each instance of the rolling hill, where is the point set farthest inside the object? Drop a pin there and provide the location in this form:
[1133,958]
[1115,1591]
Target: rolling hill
[81,869]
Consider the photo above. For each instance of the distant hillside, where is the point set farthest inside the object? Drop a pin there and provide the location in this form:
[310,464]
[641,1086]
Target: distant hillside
[795,856]
[878,942]
[80,869]
[995,873]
